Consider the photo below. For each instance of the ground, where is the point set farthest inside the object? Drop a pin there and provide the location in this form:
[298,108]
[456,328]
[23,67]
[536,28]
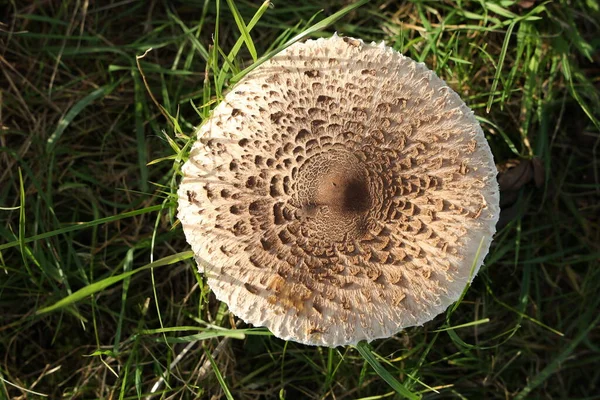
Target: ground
[99,295]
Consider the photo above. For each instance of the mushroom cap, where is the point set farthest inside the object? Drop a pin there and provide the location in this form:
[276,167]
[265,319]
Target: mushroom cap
[340,192]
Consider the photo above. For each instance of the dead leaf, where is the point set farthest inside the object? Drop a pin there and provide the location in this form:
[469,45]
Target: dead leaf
[513,175]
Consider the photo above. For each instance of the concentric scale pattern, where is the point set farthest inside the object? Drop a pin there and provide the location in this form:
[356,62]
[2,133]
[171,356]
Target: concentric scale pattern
[340,192]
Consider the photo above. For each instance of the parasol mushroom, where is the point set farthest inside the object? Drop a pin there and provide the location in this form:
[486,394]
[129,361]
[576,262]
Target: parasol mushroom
[340,192]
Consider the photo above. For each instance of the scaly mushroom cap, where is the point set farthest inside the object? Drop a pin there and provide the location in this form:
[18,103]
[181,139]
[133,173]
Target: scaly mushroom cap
[339,192]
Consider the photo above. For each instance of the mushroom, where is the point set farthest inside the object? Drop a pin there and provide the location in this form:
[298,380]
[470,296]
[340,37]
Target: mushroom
[340,192]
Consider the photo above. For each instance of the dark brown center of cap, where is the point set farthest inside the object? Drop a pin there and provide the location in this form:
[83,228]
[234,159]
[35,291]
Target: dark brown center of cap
[335,195]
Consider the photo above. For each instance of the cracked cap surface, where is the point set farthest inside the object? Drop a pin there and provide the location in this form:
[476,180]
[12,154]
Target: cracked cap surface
[340,192]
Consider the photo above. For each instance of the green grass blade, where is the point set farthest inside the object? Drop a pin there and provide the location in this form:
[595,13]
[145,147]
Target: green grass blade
[568,73]
[365,351]
[127,263]
[238,44]
[498,74]
[104,283]
[218,374]
[239,20]
[196,44]
[495,8]
[208,334]
[22,219]
[74,112]
[466,325]
[303,35]
[555,365]
[214,61]
[139,96]
[82,225]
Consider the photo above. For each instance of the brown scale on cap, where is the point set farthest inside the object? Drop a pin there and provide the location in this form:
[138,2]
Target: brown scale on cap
[339,193]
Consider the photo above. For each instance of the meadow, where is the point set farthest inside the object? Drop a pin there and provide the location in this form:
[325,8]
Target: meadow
[100,297]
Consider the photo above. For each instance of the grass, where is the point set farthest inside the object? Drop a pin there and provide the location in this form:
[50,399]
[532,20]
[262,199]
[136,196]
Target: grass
[99,295]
